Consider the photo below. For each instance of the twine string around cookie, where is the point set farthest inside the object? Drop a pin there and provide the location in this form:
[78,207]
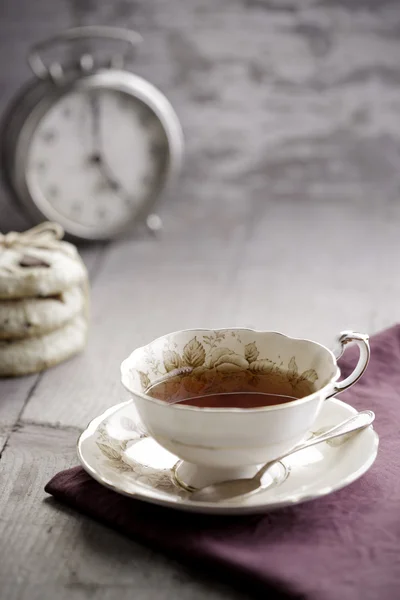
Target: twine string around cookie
[45,236]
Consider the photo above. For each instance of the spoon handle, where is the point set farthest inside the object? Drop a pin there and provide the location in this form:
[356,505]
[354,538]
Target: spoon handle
[355,423]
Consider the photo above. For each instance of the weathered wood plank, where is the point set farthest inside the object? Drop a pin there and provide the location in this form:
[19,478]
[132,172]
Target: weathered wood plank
[48,552]
[314,270]
[13,395]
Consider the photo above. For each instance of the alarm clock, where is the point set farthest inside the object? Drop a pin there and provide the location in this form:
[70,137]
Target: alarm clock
[90,145]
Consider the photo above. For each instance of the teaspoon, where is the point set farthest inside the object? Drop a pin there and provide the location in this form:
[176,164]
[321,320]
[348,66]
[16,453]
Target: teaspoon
[226,490]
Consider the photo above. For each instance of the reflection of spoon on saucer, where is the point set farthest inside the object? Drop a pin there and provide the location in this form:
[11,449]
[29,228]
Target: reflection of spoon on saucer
[225,490]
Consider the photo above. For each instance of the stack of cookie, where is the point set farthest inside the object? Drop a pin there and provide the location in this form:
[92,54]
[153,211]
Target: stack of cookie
[43,300]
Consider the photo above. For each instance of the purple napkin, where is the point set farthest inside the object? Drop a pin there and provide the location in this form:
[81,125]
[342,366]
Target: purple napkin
[345,546]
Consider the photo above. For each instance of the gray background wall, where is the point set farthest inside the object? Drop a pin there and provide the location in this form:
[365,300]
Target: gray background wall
[279,99]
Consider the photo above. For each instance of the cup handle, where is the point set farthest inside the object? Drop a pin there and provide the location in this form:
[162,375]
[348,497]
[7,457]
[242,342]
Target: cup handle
[362,341]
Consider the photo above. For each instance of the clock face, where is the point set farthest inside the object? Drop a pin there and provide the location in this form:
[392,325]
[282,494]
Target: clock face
[94,159]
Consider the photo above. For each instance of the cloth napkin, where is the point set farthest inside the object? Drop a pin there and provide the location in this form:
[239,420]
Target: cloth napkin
[345,546]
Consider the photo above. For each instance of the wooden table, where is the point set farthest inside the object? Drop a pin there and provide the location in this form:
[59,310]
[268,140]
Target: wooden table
[287,217]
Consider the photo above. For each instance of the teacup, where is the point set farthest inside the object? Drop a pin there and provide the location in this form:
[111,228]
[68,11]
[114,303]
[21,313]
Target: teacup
[235,438]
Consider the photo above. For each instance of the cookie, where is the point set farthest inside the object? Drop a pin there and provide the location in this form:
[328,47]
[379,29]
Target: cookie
[38,272]
[37,263]
[22,357]
[32,317]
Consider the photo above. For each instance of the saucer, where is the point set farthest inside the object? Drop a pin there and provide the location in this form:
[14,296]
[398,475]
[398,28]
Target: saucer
[116,451]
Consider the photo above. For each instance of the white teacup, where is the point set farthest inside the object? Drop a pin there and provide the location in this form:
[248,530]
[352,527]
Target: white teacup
[231,438]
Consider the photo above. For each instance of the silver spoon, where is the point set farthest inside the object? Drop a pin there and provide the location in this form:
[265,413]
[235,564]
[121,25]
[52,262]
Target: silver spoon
[225,490]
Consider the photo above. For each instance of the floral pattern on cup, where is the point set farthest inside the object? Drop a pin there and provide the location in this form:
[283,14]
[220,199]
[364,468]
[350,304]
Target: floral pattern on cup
[205,354]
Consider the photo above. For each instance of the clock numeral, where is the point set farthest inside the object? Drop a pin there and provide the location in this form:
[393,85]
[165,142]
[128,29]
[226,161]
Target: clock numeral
[53,191]
[76,208]
[41,166]
[49,136]
[102,213]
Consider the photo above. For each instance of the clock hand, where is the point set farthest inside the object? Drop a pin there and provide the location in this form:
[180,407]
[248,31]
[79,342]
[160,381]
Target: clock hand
[106,171]
[97,157]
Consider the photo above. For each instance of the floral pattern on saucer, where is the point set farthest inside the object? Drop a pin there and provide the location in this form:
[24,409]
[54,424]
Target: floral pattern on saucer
[115,454]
